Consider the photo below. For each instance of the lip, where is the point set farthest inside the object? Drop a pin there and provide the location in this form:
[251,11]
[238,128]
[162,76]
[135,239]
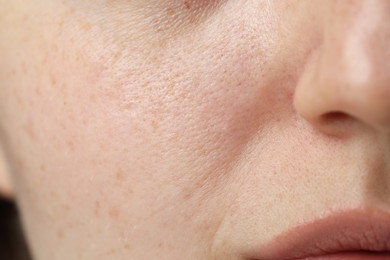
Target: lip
[351,234]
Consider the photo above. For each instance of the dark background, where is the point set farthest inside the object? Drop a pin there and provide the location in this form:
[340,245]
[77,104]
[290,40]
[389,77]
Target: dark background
[12,242]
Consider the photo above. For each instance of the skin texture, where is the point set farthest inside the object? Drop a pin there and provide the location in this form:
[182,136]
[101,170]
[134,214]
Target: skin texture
[190,129]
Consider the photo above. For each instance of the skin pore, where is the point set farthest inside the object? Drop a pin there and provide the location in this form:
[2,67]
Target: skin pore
[190,129]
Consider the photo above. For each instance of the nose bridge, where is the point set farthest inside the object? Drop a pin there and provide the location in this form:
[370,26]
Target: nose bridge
[357,43]
[352,74]
[347,38]
[360,33]
[357,32]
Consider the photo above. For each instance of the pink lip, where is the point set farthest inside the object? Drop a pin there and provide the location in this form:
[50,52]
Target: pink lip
[352,234]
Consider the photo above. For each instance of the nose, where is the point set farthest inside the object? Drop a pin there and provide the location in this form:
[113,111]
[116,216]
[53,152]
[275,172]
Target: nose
[347,79]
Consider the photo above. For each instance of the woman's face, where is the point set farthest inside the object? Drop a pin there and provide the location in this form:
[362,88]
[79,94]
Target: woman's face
[191,129]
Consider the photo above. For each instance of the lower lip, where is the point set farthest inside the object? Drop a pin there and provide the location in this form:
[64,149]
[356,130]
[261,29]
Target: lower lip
[351,256]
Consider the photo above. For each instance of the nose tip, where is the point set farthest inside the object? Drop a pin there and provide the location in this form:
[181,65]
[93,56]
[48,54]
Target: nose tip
[347,79]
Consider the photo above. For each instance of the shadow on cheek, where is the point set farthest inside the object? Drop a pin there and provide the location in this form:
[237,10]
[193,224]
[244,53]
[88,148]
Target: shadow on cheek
[12,241]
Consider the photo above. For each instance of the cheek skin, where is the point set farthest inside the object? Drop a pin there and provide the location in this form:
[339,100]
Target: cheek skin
[191,109]
[123,144]
[144,146]
[135,140]
[142,128]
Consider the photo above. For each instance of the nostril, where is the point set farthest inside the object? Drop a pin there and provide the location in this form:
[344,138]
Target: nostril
[337,123]
[335,116]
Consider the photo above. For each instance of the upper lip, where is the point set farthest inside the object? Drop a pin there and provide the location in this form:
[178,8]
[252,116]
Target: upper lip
[340,232]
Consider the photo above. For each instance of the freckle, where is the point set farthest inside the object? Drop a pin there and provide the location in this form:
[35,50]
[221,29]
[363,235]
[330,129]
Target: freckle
[92,97]
[54,195]
[120,175]
[86,26]
[71,40]
[45,58]
[66,207]
[65,55]
[128,192]
[54,47]
[170,11]
[97,208]
[78,55]
[112,251]
[154,125]
[186,196]
[114,213]
[128,106]
[37,90]
[71,145]
[73,224]
[19,101]
[102,146]
[143,168]
[30,130]
[116,57]
[43,168]
[187,4]
[57,145]
[61,24]
[20,164]
[24,67]
[60,233]
[62,87]
[52,79]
